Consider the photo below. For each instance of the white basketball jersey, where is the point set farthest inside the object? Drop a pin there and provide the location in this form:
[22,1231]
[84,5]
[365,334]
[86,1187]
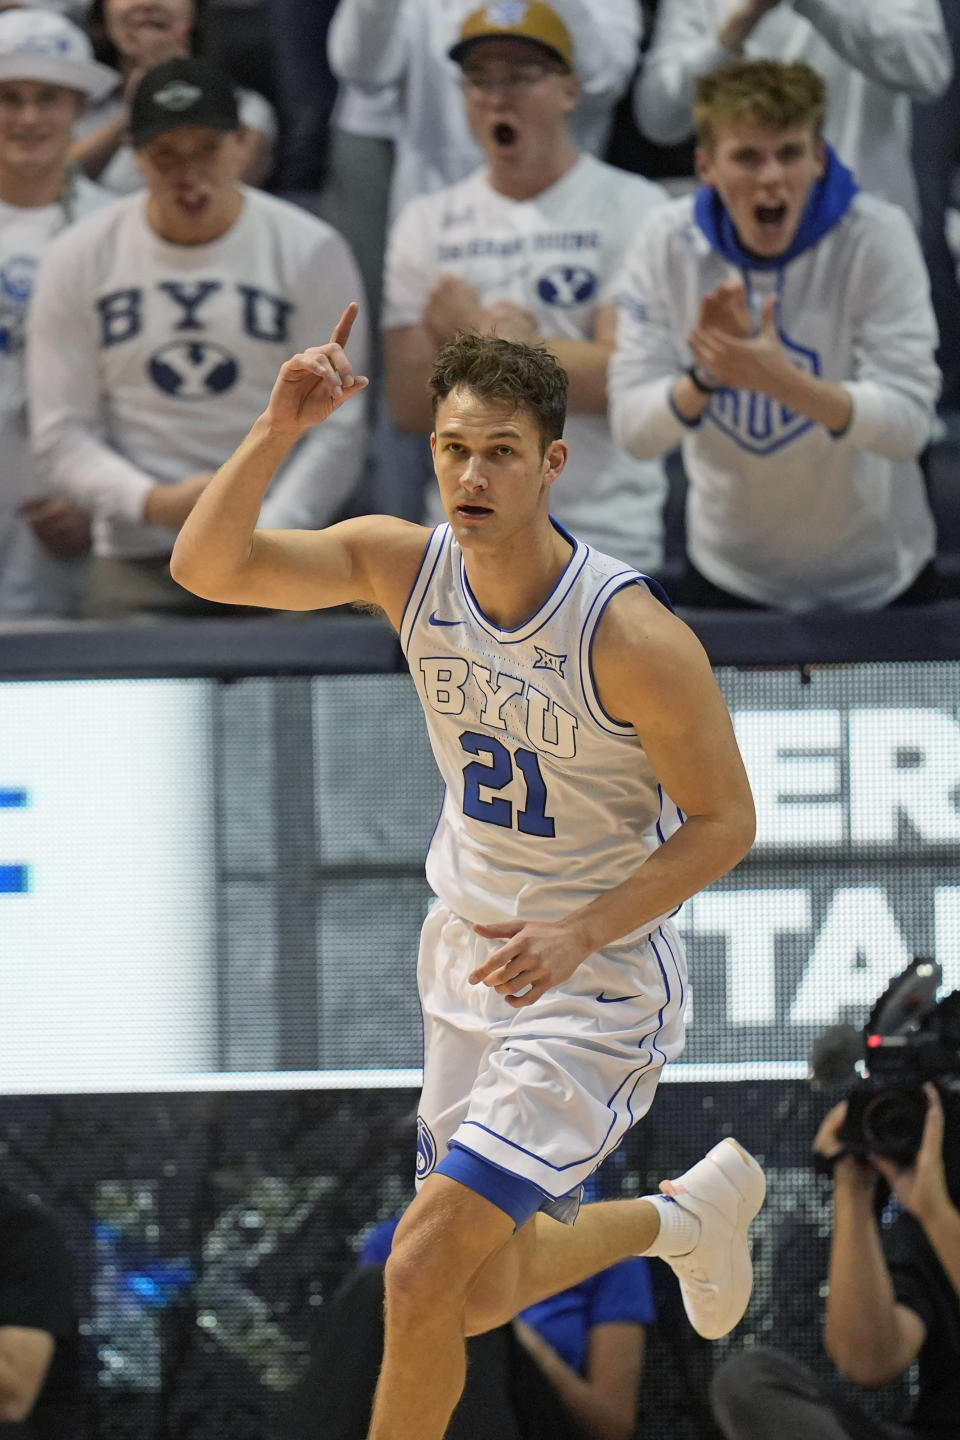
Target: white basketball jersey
[549,800]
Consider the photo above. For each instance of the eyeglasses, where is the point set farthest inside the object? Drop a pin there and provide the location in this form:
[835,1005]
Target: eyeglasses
[518,77]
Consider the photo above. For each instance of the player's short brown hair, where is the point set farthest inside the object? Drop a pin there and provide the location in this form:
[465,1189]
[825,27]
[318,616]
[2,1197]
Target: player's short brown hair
[504,371]
[770,94]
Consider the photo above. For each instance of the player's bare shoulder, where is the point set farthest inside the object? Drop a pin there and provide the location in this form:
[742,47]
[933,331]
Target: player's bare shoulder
[643,652]
[389,551]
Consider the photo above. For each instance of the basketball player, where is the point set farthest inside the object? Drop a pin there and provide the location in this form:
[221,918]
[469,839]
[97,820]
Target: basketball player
[551,976]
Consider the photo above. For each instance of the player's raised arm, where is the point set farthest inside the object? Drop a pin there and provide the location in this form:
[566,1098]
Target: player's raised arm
[220,554]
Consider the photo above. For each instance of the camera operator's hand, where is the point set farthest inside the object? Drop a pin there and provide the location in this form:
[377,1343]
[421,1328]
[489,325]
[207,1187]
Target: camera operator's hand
[868,1336]
[848,1170]
[827,1139]
[921,1187]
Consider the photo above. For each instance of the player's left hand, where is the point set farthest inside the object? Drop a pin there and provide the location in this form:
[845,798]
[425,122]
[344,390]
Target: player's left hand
[536,955]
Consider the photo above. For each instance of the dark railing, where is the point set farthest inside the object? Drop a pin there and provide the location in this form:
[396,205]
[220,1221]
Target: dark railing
[344,642]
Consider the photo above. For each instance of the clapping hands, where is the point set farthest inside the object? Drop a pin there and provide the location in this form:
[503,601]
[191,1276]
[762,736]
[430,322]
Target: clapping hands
[723,341]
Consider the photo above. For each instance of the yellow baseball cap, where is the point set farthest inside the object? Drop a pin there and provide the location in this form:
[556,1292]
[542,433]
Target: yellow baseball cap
[516,20]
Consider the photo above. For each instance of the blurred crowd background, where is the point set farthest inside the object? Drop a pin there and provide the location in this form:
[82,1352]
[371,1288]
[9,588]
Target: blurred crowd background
[136,354]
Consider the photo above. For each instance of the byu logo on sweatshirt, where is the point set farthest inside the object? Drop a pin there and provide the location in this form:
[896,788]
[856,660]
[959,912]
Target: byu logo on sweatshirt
[193,369]
[567,285]
[754,421]
[426,1149]
[185,306]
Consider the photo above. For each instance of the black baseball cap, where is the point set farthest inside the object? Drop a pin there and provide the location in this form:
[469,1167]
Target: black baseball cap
[182,91]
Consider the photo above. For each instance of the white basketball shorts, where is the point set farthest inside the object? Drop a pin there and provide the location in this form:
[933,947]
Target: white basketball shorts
[544,1093]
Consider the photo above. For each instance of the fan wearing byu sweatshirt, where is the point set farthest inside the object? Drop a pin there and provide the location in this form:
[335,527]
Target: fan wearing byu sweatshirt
[777,325]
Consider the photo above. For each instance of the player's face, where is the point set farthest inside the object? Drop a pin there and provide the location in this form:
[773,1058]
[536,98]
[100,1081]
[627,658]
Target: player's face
[493,474]
[192,174]
[764,178]
[148,31]
[36,121]
[517,99]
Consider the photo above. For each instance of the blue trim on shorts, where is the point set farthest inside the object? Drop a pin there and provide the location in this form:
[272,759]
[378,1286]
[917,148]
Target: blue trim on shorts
[517,1197]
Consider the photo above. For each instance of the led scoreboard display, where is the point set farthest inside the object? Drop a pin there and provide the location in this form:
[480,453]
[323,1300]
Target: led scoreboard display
[853,870]
[116,865]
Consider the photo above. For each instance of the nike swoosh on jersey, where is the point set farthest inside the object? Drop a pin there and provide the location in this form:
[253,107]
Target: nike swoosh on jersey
[616,999]
[435,620]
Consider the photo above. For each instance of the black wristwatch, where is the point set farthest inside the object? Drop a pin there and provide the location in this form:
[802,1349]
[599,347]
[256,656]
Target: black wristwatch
[702,380]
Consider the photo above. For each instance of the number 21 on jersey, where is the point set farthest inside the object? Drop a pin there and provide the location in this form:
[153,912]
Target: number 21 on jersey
[494,769]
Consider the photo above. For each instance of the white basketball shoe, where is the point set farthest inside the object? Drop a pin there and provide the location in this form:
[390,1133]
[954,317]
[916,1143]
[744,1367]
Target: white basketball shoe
[724,1190]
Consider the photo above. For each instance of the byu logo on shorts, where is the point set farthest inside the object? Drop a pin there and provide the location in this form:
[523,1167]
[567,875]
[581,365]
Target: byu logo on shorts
[567,285]
[193,369]
[426,1149]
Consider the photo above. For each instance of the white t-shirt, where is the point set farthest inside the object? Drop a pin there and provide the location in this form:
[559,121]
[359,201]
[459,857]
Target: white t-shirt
[32,581]
[148,362]
[561,256]
[875,56]
[779,510]
[120,175]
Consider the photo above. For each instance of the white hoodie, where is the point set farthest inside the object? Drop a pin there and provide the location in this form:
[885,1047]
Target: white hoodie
[778,510]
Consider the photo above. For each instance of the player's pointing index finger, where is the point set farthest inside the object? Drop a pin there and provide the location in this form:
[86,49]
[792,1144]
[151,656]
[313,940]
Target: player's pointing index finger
[341,331]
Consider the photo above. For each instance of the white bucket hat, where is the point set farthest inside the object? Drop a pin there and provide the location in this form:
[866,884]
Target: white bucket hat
[39,45]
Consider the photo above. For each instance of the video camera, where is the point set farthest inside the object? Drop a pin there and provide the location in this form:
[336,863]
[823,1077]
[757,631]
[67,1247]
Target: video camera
[908,1039]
